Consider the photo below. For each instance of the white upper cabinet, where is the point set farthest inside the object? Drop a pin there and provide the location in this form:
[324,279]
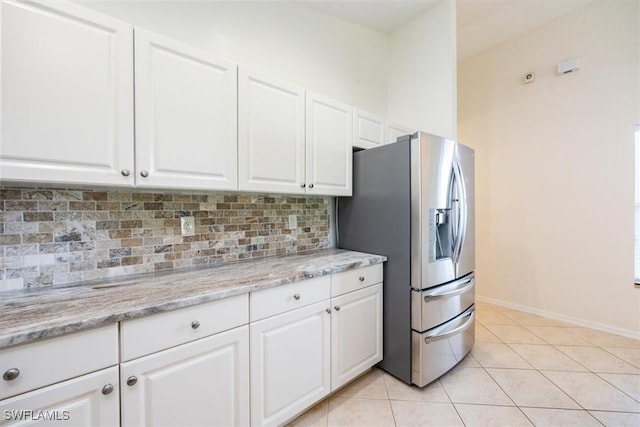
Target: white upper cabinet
[186,116]
[368,130]
[271,135]
[329,140]
[67,95]
[394,131]
[287,147]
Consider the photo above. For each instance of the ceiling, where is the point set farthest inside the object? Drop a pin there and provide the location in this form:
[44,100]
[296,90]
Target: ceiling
[480,23]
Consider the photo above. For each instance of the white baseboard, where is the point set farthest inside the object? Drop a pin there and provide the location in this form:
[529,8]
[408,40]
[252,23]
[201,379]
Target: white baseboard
[578,322]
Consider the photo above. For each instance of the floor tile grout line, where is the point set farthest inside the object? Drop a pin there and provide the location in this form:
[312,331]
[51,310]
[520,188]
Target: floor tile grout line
[615,386]
[561,352]
[571,397]
[386,389]
[451,400]
[510,346]
[496,383]
[593,346]
[615,355]
[559,388]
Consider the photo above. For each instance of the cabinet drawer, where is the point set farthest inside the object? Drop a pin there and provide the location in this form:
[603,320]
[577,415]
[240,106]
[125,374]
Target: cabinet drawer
[353,280]
[49,361]
[288,297]
[83,401]
[150,334]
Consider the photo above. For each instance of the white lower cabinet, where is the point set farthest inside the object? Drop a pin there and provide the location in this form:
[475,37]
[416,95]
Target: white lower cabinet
[258,359]
[356,334]
[204,382]
[90,400]
[290,363]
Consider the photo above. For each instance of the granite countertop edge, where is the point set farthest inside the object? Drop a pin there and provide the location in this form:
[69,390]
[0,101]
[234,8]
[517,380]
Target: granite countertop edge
[29,316]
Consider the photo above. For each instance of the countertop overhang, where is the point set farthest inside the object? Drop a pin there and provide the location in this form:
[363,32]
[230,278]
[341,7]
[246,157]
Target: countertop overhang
[32,314]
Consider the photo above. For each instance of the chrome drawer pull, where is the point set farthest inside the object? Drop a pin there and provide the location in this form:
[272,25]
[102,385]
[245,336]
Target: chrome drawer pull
[107,389]
[456,288]
[437,335]
[132,380]
[336,308]
[195,324]
[328,310]
[361,278]
[11,374]
[296,297]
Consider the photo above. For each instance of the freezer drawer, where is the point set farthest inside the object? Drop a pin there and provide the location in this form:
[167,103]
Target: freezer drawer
[437,350]
[434,306]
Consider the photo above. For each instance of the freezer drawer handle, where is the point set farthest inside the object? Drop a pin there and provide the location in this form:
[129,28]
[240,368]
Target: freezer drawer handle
[442,333]
[456,288]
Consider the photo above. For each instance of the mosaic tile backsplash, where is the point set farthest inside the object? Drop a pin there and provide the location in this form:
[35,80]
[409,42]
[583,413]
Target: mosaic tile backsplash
[52,236]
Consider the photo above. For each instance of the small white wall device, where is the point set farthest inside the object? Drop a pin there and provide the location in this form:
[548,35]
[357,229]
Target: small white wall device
[569,66]
[529,77]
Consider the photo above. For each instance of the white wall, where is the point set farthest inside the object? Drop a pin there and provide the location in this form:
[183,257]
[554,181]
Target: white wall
[327,55]
[422,72]
[408,76]
[555,172]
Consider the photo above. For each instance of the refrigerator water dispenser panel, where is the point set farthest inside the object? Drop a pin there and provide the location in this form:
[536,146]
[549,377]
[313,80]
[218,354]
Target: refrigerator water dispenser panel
[440,234]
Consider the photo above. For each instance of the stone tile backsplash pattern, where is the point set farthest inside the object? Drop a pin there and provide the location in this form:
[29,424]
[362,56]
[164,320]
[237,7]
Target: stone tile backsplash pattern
[50,236]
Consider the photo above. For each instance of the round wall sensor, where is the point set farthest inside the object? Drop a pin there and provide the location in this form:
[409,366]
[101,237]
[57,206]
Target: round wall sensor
[529,77]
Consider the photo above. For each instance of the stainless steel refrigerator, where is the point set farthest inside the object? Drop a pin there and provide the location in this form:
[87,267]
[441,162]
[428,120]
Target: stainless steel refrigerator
[413,201]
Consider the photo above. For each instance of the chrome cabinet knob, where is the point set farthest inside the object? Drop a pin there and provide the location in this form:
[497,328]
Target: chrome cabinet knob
[11,374]
[125,172]
[361,278]
[310,185]
[336,308]
[296,297]
[328,310]
[303,185]
[132,380]
[195,324]
[144,173]
[107,389]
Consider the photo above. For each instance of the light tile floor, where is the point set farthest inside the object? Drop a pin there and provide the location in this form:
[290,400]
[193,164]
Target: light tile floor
[523,370]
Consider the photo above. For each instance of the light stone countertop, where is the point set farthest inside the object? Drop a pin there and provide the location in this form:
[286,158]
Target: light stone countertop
[32,314]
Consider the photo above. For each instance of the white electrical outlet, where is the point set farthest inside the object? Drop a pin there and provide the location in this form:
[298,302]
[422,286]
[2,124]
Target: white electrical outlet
[187,226]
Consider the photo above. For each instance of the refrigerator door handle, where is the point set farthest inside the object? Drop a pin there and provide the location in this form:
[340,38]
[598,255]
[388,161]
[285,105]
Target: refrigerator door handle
[443,332]
[454,288]
[461,223]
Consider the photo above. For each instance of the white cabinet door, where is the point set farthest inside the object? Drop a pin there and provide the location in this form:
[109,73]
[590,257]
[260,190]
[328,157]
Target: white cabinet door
[205,382]
[91,400]
[394,131]
[186,116]
[271,146]
[290,363]
[356,334]
[329,140]
[67,95]
[368,130]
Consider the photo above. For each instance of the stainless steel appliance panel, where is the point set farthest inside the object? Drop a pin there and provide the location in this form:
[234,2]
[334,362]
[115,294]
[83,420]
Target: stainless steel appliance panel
[376,219]
[436,351]
[466,259]
[413,202]
[431,184]
[434,306]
